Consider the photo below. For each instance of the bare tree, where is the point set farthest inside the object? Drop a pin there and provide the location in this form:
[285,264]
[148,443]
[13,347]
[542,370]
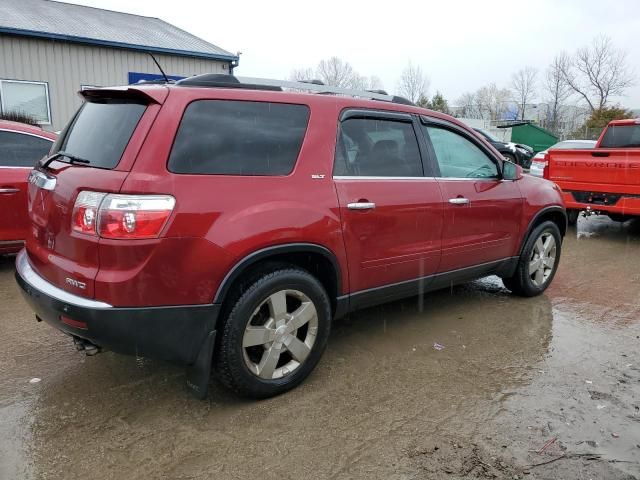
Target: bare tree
[523,83]
[468,106]
[492,102]
[598,72]
[375,83]
[338,73]
[413,83]
[557,90]
[302,74]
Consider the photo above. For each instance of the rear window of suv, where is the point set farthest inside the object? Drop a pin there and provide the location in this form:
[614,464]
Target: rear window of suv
[100,132]
[228,137]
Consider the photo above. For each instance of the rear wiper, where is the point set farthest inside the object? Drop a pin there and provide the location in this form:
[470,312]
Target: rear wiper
[72,159]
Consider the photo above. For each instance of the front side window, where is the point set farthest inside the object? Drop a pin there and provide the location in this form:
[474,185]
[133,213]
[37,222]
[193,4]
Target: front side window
[228,137]
[377,148]
[21,150]
[458,157]
[27,98]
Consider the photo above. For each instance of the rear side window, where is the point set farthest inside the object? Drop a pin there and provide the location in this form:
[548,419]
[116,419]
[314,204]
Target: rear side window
[377,148]
[226,137]
[21,150]
[100,132]
[621,136]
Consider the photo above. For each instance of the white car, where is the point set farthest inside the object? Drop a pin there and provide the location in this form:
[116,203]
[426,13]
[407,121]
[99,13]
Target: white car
[540,159]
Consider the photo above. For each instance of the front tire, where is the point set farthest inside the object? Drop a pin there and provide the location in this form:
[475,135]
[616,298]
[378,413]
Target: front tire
[538,262]
[274,335]
[509,157]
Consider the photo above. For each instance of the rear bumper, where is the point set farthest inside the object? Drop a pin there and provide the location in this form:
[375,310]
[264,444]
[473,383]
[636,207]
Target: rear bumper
[624,205]
[175,334]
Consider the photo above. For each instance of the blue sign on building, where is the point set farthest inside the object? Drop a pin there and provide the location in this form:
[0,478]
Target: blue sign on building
[135,77]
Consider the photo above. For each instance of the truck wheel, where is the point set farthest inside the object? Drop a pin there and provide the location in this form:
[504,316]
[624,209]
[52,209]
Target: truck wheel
[572,216]
[510,157]
[274,335]
[538,262]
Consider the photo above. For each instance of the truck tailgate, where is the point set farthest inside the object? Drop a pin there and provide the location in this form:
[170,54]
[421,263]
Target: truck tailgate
[611,169]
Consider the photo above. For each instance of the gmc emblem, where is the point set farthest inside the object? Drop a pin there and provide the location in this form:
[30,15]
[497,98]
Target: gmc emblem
[75,283]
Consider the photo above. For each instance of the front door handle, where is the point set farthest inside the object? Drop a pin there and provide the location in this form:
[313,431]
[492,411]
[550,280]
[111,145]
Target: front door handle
[361,206]
[9,190]
[459,201]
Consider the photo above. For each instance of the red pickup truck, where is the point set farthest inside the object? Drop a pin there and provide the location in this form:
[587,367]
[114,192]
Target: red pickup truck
[603,180]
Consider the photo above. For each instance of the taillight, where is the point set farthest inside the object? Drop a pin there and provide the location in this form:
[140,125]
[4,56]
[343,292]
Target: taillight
[545,170]
[122,216]
[85,211]
[134,216]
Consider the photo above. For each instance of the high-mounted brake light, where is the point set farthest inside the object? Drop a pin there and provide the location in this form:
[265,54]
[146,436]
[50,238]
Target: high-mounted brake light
[122,216]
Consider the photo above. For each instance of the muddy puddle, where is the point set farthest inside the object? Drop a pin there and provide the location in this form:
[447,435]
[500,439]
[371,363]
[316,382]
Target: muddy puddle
[468,382]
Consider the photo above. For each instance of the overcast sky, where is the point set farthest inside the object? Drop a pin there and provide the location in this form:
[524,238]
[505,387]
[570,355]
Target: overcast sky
[461,45]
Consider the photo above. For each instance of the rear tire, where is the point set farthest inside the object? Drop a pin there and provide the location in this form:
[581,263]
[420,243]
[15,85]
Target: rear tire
[538,262]
[572,216]
[274,335]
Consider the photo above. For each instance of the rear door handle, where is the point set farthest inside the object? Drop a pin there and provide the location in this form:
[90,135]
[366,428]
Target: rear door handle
[9,190]
[459,201]
[361,206]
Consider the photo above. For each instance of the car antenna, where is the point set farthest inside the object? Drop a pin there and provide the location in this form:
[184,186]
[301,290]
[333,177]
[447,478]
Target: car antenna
[166,79]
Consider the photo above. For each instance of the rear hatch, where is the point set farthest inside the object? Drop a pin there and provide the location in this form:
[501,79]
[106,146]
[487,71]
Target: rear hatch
[95,153]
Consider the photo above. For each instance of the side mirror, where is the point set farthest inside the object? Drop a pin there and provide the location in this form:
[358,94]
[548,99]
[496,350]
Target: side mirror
[511,171]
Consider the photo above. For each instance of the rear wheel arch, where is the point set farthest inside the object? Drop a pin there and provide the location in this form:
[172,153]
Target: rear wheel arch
[315,259]
[553,214]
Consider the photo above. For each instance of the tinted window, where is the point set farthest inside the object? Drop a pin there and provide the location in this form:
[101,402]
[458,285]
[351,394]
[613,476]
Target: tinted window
[20,150]
[458,157]
[223,137]
[377,148]
[100,132]
[621,136]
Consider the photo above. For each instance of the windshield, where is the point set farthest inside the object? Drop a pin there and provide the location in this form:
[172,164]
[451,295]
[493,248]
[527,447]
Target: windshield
[621,136]
[487,135]
[100,132]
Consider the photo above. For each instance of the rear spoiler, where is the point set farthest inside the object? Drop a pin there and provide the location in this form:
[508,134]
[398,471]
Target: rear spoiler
[148,94]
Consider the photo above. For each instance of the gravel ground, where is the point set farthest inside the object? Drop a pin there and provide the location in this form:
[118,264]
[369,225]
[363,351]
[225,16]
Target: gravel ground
[547,387]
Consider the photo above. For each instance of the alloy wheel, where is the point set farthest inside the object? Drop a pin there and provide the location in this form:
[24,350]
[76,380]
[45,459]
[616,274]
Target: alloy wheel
[280,334]
[543,259]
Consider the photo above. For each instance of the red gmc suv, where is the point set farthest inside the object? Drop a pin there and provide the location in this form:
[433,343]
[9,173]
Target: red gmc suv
[223,223]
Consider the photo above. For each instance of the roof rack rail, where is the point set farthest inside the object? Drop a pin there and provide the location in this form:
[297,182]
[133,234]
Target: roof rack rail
[215,80]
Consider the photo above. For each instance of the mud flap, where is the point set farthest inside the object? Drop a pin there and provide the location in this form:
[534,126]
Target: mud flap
[199,374]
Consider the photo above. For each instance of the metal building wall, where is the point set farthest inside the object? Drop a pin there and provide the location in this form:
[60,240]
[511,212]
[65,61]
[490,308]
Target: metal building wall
[66,66]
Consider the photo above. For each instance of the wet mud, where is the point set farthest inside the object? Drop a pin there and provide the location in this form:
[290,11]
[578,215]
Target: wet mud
[547,387]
